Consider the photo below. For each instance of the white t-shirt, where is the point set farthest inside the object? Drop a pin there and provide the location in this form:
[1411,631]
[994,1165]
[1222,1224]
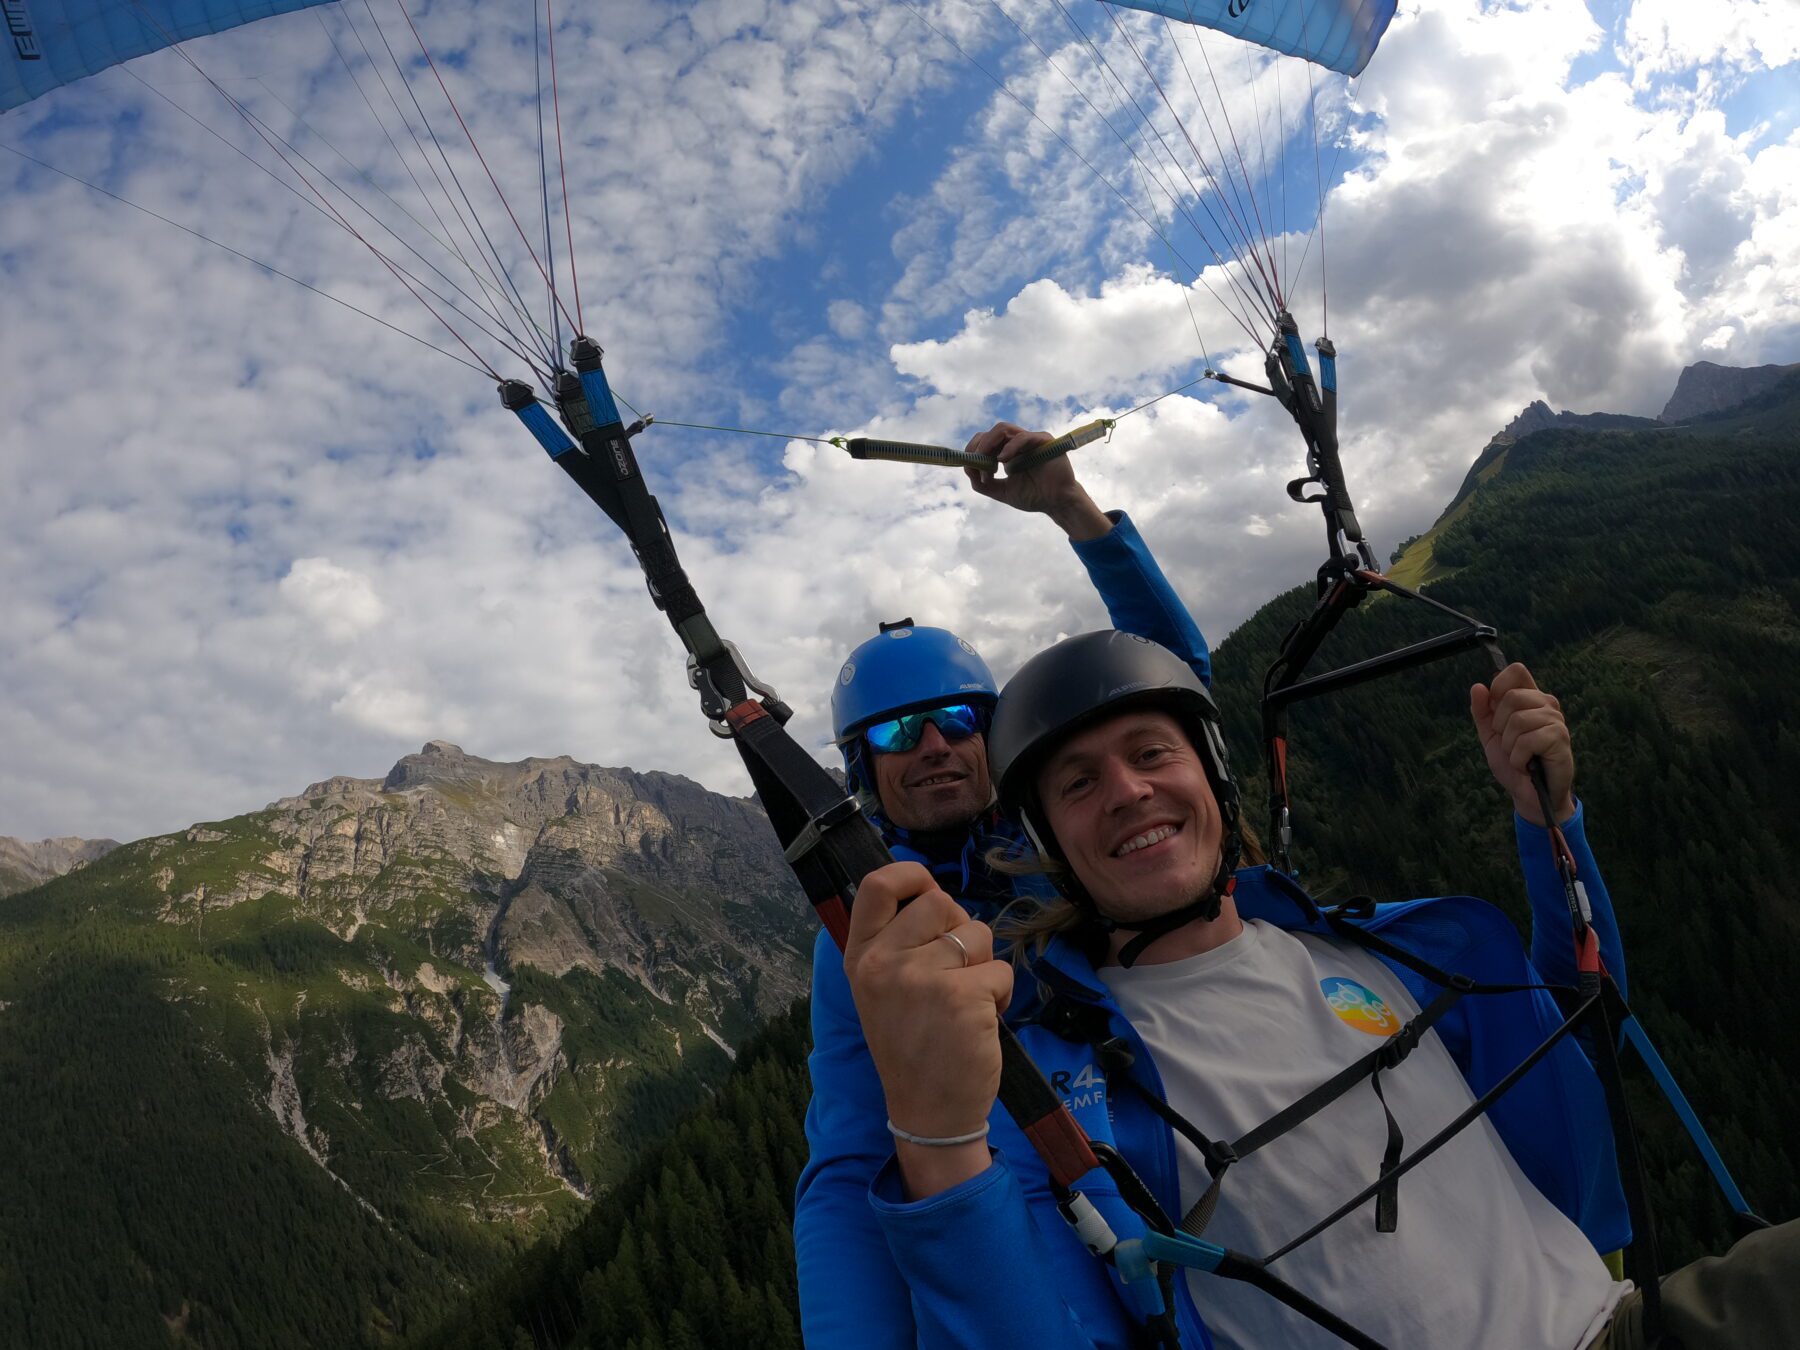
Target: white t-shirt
[1480,1257]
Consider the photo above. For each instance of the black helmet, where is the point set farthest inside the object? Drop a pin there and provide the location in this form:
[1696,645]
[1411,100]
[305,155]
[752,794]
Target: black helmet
[1083,680]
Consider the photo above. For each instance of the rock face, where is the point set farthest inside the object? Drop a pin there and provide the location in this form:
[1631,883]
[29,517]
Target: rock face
[544,862]
[24,865]
[1707,388]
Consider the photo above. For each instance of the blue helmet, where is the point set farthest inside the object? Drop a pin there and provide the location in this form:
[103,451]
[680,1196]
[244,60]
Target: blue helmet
[899,670]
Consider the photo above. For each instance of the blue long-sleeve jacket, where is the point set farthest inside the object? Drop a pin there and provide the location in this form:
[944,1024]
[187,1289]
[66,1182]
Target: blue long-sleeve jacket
[851,1292]
[1033,1282]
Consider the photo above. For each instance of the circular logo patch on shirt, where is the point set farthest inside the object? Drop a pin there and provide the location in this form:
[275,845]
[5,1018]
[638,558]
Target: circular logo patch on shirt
[1359,1006]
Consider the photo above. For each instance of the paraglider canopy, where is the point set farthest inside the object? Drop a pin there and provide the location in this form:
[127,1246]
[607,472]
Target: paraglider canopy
[51,42]
[1340,35]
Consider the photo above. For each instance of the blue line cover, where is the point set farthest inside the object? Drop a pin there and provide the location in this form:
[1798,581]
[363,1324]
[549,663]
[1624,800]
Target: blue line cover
[540,424]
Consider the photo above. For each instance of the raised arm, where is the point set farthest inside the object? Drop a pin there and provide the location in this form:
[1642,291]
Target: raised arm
[1138,597]
[1516,722]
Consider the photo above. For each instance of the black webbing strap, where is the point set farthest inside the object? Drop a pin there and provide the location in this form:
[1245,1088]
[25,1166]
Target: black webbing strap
[1291,380]
[1387,1199]
[1388,1055]
[1342,585]
[1400,956]
[607,471]
[1251,1271]
[831,846]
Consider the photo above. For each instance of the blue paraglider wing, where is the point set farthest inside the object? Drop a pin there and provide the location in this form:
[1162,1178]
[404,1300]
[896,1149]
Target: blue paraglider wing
[51,42]
[1340,35]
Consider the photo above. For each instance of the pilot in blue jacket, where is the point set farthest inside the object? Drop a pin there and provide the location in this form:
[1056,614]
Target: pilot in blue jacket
[928,691]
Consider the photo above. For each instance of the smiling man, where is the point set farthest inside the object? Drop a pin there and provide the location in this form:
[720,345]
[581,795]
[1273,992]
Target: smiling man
[930,767]
[910,713]
[1199,1002]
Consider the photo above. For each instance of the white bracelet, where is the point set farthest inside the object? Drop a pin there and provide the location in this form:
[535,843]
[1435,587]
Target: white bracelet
[927,1142]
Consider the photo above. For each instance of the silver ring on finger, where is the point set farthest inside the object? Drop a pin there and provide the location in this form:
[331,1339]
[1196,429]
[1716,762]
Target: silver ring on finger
[959,947]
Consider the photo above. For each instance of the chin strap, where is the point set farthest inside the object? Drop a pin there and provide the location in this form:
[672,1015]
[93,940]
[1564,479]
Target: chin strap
[1205,907]
[1149,930]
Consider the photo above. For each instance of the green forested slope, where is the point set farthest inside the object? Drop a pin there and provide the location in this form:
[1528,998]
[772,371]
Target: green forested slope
[691,1251]
[149,1201]
[257,1090]
[1652,580]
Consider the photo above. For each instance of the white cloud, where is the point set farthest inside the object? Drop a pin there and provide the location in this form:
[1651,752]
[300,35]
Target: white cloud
[847,318]
[342,603]
[1052,345]
[1667,36]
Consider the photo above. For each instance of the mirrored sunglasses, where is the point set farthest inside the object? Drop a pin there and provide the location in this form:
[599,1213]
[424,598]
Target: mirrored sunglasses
[955,721]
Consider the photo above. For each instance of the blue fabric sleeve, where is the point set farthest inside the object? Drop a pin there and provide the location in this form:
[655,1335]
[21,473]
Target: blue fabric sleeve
[1138,596]
[1552,942]
[976,1263]
[1564,1099]
[852,1295]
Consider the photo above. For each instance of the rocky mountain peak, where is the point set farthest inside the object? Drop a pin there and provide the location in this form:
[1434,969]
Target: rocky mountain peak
[1708,388]
[439,762]
[1536,417]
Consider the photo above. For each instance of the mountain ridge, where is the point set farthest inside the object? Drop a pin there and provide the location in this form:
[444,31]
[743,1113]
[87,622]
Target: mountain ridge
[1703,392]
[25,863]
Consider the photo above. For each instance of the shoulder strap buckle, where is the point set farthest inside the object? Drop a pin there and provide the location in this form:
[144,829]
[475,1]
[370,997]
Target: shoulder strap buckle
[715,703]
[813,832]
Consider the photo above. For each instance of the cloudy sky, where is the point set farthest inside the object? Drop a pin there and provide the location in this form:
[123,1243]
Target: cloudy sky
[250,539]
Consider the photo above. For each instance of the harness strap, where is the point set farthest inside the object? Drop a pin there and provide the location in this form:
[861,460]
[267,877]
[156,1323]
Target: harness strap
[1236,1266]
[1362,937]
[1602,1007]
[1387,1199]
[1090,1023]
